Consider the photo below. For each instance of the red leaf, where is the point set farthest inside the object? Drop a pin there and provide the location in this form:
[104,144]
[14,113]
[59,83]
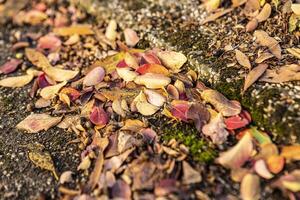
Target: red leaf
[180,110]
[238,121]
[122,64]
[49,42]
[71,92]
[150,58]
[10,66]
[152,68]
[98,116]
[42,81]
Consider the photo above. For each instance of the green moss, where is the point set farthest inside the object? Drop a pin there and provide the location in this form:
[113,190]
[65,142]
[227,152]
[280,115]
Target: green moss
[200,149]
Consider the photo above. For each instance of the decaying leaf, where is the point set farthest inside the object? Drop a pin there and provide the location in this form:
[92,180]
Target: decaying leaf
[17,81]
[283,74]
[180,109]
[152,81]
[37,122]
[60,75]
[293,22]
[264,39]
[221,103]
[117,108]
[263,56]
[42,159]
[37,58]
[190,175]
[242,59]
[171,59]
[275,163]
[127,74]
[133,125]
[73,39]
[98,116]
[251,25]
[254,75]
[294,51]
[250,187]
[76,29]
[111,30]
[215,129]
[154,97]
[10,66]
[50,92]
[237,155]
[49,42]
[211,5]
[66,177]
[264,13]
[152,68]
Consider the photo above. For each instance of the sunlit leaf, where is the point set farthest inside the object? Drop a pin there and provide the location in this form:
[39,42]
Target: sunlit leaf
[76,29]
[264,39]
[60,75]
[152,81]
[37,58]
[250,187]
[50,92]
[17,81]
[171,59]
[254,75]
[291,152]
[261,169]
[215,129]
[242,59]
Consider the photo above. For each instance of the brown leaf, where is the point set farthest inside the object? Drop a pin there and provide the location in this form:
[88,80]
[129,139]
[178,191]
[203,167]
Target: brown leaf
[296,8]
[263,56]
[283,74]
[294,51]
[215,129]
[42,159]
[250,187]
[264,13]
[242,59]
[76,29]
[190,175]
[264,39]
[60,75]
[253,75]
[251,25]
[50,92]
[221,103]
[18,81]
[37,58]
[37,122]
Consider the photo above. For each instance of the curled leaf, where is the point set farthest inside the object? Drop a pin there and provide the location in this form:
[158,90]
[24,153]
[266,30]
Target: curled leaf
[10,66]
[152,81]
[150,58]
[254,75]
[50,92]
[155,98]
[60,75]
[143,106]
[94,77]
[171,59]
[261,169]
[242,59]
[111,30]
[37,122]
[251,25]
[18,81]
[275,163]
[131,60]
[221,103]
[237,155]
[264,13]
[215,129]
[250,187]
[283,74]
[238,121]
[98,116]
[180,109]
[116,106]
[131,37]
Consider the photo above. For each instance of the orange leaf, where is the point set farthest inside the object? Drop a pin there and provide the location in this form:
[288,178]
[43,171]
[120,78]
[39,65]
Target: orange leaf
[275,163]
[291,152]
[152,68]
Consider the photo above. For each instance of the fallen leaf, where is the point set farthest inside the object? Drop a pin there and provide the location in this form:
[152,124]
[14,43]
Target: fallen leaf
[84,164]
[17,81]
[60,75]
[143,106]
[250,187]
[127,74]
[264,13]
[94,77]
[296,8]
[242,59]
[179,109]
[216,15]
[152,81]
[291,152]
[149,135]
[190,175]
[261,169]
[261,137]
[42,80]
[199,114]
[263,56]
[211,5]
[131,37]
[98,116]
[237,155]
[226,107]
[10,66]
[238,121]
[264,39]
[275,163]
[117,108]
[36,122]
[254,75]
[133,125]
[283,74]
[75,29]
[293,22]
[73,39]
[50,92]
[294,51]
[111,30]
[150,58]
[152,68]
[121,190]
[42,159]
[37,58]
[215,129]
[71,92]
[131,61]
[49,43]
[154,97]
[66,177]
[251,25]
[171,59]
[293,186]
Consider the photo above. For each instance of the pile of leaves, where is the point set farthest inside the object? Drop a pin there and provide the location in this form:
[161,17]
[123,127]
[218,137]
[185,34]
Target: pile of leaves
[122,154]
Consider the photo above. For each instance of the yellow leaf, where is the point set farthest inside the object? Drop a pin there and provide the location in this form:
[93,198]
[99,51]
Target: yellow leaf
[291,152]
[18,81]
[37,58]
[76,29]
[51,91]
[60,75]
[294,51]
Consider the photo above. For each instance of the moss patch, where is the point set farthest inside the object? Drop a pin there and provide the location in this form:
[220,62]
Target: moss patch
[200,149]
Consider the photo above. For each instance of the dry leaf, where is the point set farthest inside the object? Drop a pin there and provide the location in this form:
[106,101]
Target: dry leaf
[10,66]
[293,22]
[60,75]
[49,43]
[221,103]
[98,116]
[264,13]
[66,177]
[76,29]
[94,77]
[236,156]
[242,59]
[190,175]
[250,187]
[171,59]
[251,25]
[37,122]
[275,163]
[42,159]
[50,92]
[296,8]
[127,74]
[133,125]
[143,106]
[263,56]
[253,75]
[265,40]
[211,5]
[215,129]
[117,107]
[131,37]
[291,152]
[261,169]
[111,30]
[216,15]
[18,81]
[152,81]
[37,58]
[283,74]
[152,68]
[73,39]
[294,51]
[154,97]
